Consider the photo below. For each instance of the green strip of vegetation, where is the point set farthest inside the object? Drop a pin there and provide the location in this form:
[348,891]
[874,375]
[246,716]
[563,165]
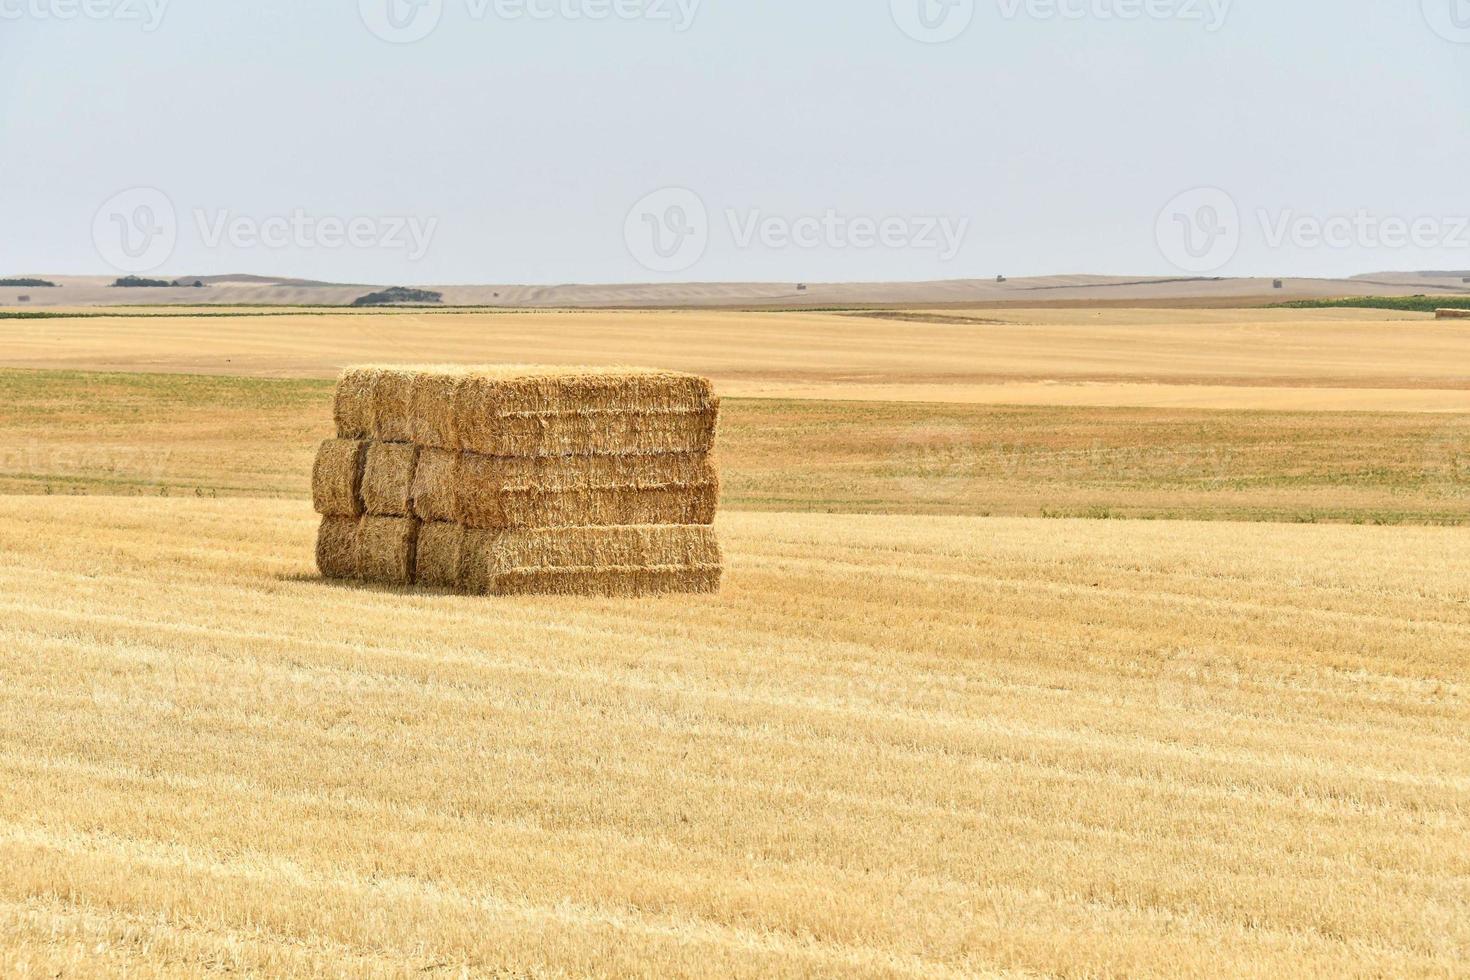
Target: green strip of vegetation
[1407,304]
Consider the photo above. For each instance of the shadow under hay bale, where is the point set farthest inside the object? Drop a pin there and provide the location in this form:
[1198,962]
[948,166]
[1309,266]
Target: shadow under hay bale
[336,479]
[387,548]
[387,482]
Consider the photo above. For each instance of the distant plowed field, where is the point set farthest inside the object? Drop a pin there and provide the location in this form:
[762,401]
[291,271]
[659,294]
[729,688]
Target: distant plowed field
[896,746]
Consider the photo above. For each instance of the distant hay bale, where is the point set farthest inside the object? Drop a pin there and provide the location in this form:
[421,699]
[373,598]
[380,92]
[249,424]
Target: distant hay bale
[353,404]
[438,560]
[1451,314]
[581,491]
[434,485]
[387,549]
[336,479]
[392,391]
[594,561]
[387,482]
[336,547]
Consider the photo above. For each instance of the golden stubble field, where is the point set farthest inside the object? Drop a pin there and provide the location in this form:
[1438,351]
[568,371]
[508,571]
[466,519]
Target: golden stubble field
[893,747]
[896,745]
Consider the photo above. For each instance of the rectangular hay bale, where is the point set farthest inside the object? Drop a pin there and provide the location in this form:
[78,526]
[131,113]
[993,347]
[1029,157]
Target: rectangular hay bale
[352,406]
[589,433]
[438,559]
[434,485]
[593,561]
[392,390]
[336,477]
[336,547]
[511,410]
[387,548]
[387,480]
[493,492]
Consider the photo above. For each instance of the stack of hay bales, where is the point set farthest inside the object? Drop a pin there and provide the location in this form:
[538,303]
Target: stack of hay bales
[508,480]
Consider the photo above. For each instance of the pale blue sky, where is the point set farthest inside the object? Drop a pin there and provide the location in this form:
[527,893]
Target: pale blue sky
[525,142]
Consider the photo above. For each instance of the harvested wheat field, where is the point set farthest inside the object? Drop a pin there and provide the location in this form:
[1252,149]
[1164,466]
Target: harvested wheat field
[893,746]
[1262,360]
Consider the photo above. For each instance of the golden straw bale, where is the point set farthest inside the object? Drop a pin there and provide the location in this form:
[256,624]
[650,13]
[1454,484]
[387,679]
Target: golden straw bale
[336,547]
[353,403]
[492,562]
[573,491]
[437,565]
[336,479]
[434,485]
[588,433]
[433,407]
[387,481]
[386,549]
[392,390]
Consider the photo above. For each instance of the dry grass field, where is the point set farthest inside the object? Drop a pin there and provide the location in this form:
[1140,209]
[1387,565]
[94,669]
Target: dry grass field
[935,726]
[1281,360]
[142,434]
[893,747]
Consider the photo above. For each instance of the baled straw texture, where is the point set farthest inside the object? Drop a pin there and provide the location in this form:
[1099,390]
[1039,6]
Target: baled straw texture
[387,482]
[353,404]
[512,410]
[392,390]
[582,491]
[336,479]
[594,561]
[590,433]
[386,550]
[437,565]
[336,547]
[435,485]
